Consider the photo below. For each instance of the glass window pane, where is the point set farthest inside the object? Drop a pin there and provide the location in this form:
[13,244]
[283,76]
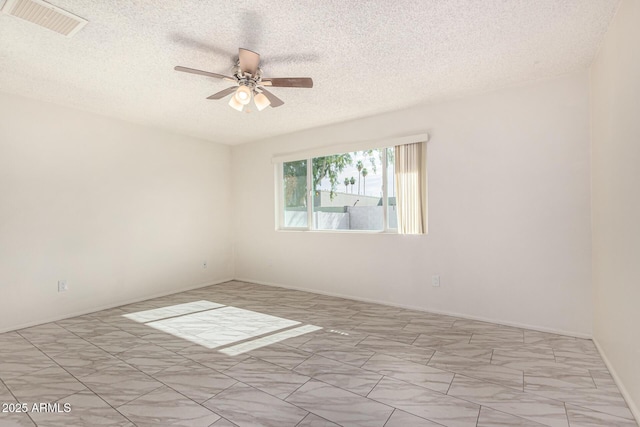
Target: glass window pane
[295,193]
[392,213]
[348,191]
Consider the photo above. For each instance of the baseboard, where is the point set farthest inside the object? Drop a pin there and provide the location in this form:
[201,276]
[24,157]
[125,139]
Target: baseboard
[332,294]
[426,310]
[108,306]
[635,411]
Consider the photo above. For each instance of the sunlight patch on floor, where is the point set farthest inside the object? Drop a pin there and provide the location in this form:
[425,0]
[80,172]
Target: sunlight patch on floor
[172,311]
[213,325]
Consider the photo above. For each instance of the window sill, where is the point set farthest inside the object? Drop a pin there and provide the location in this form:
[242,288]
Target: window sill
[306,230]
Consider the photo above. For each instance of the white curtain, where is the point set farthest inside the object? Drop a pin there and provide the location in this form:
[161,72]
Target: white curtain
[411,183]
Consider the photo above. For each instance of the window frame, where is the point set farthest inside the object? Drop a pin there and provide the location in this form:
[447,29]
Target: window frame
[280,209]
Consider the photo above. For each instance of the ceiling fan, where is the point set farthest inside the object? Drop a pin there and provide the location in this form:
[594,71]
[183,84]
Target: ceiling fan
[249,84]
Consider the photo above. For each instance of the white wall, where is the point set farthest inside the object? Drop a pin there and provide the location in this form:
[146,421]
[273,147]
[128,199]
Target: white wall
[120,211]
[509,212]
[615,88]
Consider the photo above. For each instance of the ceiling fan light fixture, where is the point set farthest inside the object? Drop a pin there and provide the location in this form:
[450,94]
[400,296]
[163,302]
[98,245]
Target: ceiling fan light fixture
[243,95]
[261,101]
[235,104]
[248,82]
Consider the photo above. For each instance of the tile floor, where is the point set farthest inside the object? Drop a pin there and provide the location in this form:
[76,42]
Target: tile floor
[240,354]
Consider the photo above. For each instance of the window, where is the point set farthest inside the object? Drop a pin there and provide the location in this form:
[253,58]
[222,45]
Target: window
[348,191]
[295,194]
[345,191]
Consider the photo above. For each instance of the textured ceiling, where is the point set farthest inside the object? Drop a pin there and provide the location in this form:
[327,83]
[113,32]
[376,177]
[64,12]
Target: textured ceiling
[365,57]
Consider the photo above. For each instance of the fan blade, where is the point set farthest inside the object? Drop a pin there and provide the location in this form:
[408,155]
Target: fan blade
[204,73]
[274,100]
[223,93]
[289,82]
[248,61]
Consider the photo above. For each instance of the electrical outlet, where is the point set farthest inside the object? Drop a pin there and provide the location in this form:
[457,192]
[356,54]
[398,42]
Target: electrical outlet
[435,281]
[204,264]
[62,286]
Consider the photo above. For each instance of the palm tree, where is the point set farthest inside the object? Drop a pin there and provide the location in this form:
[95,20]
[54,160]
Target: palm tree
[353,182]
[365,172]
[346,185]
[359,166]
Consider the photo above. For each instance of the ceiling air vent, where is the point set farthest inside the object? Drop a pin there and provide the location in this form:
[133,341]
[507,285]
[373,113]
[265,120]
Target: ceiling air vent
[45,15]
